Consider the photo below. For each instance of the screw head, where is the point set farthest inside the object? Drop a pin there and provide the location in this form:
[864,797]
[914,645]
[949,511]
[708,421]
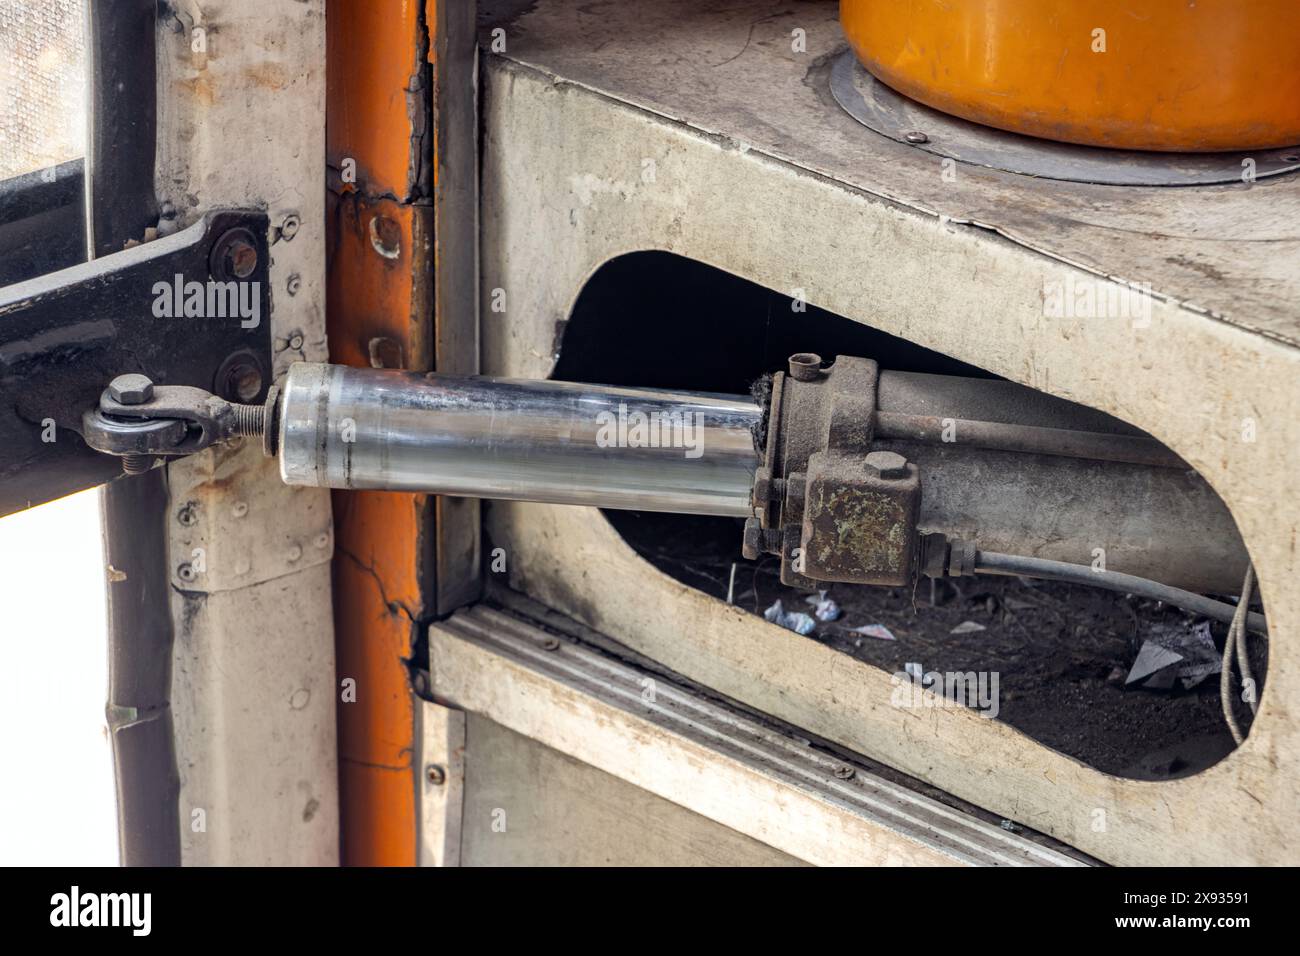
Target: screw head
[889,465]
[289,227]
[132,389]
[550,644]
[916,137]
[294,284]
[845,772]
[435,774]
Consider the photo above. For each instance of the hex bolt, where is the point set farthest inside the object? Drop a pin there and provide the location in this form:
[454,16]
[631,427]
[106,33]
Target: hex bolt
[131,389]
[435,775]
[805,366]
[889,465]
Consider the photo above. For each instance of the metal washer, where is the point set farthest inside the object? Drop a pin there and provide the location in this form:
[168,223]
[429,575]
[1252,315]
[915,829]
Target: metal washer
[884,111]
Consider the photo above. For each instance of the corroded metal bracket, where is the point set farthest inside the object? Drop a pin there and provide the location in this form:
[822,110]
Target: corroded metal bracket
[191,308]
[833,509]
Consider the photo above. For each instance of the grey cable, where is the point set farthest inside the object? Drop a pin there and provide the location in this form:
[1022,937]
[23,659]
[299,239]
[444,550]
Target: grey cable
[1231,647]
[1243,661]
[991,562]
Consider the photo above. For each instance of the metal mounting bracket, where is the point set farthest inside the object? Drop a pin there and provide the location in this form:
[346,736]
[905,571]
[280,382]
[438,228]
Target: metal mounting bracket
[189,309]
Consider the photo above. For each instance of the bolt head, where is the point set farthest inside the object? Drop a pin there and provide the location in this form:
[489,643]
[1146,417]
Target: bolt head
[435,774]
[889,465]
[133,389]
[234,256]
[916,137]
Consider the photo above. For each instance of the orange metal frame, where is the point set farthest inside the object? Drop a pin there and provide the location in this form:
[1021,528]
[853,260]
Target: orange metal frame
[380,312]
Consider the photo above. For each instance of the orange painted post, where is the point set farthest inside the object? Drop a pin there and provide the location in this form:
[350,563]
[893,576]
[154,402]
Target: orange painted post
[380,313]
[1168,75]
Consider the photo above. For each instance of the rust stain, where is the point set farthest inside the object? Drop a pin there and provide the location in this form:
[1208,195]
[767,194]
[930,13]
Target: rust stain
[198,88]
[270,75]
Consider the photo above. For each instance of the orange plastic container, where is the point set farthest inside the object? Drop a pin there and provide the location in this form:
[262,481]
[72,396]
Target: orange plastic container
[1170,75]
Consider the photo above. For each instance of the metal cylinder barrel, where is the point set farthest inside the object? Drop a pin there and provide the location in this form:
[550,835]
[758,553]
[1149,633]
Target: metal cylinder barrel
[558,442]
[1111,494]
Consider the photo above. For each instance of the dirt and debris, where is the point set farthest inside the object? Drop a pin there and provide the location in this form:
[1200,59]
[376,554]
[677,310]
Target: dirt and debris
[795,621]
[1063,652]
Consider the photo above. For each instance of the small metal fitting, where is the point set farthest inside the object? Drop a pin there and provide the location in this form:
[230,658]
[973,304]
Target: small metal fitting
[805,366]
[234,255]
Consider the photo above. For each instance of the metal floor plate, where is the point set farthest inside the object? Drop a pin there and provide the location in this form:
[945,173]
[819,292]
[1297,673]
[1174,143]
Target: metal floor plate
[884,111]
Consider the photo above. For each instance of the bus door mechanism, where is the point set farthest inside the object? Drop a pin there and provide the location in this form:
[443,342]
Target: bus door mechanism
[844,471]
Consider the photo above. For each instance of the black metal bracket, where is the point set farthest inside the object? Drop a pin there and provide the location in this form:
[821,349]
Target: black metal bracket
[189,309]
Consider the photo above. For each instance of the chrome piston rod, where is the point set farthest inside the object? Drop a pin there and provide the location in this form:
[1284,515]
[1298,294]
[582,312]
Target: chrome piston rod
[558,442]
